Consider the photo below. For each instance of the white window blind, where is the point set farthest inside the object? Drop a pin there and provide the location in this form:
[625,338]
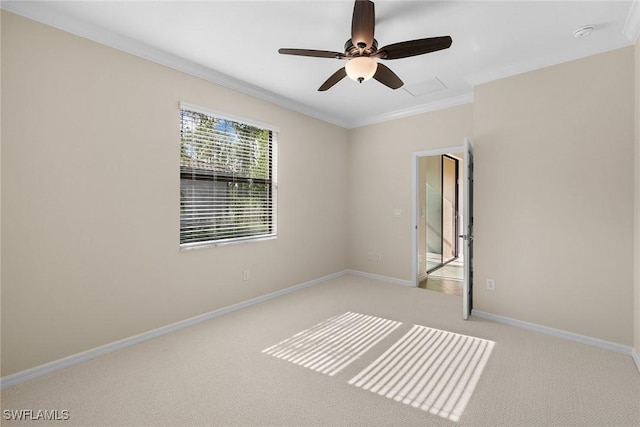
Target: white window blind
[227,179]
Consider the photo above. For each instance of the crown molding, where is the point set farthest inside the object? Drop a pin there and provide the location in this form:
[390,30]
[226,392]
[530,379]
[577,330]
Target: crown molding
[464,98]
[38,11]
[537,64]
[632,26]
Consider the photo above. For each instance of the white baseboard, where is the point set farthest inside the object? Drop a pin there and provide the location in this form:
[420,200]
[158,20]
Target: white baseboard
[596,342]
[636,358]
[74,359]
[379,277]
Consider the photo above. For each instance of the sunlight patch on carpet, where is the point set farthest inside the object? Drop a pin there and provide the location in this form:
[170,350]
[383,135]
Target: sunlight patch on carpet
[330,346]
[429,369]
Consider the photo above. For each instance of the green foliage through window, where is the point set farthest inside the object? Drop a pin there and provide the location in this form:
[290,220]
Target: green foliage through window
[227,180]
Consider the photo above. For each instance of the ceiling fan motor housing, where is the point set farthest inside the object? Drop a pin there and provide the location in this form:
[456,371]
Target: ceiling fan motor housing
[351,50]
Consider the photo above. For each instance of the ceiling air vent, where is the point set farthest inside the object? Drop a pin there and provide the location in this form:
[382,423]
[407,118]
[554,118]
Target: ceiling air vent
[425,88]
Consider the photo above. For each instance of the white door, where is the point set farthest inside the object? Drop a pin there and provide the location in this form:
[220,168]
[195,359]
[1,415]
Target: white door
[467,208]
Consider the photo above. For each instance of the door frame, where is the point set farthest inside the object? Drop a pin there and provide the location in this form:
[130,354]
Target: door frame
[415,208]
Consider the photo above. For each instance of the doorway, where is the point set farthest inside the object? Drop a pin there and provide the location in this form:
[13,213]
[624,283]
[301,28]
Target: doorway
[440,210]
[439,224]
[443,220]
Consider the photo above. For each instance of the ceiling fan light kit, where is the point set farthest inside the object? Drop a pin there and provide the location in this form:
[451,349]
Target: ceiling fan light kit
[361,68]
[361,51]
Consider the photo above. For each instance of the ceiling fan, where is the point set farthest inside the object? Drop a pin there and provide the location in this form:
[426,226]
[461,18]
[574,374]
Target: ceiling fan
[361,51]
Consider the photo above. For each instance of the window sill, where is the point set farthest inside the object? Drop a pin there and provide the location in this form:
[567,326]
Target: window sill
[200,245]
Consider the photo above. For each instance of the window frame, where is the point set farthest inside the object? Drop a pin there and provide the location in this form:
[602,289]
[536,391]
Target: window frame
[204,176]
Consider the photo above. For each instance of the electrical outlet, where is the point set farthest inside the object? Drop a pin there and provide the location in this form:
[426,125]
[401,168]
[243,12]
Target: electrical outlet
[370,256]
[245,275]
[491,285]
[378,256]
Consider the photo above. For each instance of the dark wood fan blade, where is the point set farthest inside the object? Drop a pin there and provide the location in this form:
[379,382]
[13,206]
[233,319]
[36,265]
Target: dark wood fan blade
[363,23]
[387,77]
[335,78]
[414,47]
[311,52]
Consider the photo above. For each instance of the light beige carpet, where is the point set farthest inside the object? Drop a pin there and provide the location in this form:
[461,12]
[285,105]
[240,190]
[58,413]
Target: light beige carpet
[333,344]
[429,369]
[216,373]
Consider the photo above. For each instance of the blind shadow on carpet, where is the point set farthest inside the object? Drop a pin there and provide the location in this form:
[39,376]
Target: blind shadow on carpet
[429,369]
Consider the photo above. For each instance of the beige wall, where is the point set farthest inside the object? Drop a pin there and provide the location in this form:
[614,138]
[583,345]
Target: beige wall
[554,196]
[380,170]
[89,188]
[90,193]
[637,199]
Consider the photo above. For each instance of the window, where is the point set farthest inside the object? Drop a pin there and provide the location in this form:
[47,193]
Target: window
[227,179]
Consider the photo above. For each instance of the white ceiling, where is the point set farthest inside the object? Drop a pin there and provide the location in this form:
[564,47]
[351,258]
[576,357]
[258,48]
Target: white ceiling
[235,43]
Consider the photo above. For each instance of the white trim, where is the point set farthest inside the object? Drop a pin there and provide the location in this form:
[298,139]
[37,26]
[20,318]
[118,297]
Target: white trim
[220,115]
[533,65]
[56,365]
[467,225]
[636,358]
[415,158]
[379,277]
[465,98]
[631,27]
[596,342]
[38,11]
[415,264]
[84,356]
[439,151]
